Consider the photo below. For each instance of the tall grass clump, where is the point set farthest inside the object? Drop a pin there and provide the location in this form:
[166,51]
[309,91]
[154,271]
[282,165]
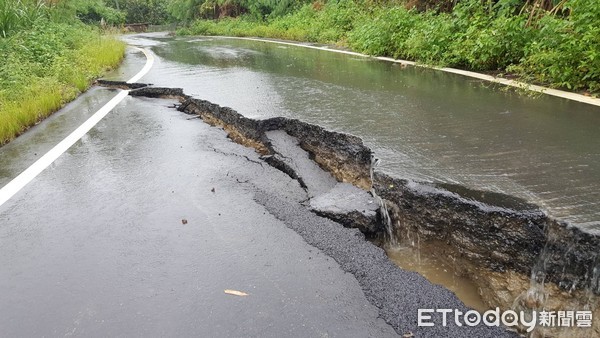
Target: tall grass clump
[17,14]
[46,63]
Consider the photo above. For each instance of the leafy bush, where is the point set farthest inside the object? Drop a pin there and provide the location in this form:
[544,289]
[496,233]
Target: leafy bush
[428,41]
[148,11]
[93,11]
[565,52]
[484,41]
[384,32]
[263,9]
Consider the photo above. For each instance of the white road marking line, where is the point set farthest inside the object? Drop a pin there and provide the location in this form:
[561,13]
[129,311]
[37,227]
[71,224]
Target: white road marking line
[512,83]
[147,66]
[14,186]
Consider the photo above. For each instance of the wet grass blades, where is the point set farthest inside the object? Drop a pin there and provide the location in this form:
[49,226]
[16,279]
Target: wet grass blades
[45,67]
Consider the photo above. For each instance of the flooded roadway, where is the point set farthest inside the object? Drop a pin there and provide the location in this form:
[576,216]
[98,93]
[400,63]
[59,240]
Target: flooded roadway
[424,124]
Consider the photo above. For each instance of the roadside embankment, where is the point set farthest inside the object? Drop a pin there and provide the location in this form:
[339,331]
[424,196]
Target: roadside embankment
[518,257]
[47,65]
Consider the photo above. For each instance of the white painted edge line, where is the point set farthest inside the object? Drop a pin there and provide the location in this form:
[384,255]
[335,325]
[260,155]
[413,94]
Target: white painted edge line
[14,186]
[147,66]
[512,83]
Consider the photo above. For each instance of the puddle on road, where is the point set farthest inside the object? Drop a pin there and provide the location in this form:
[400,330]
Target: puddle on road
[437,272]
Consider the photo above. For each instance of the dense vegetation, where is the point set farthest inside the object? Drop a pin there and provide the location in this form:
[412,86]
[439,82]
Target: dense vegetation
[552,42]
[48,57]
[118,12]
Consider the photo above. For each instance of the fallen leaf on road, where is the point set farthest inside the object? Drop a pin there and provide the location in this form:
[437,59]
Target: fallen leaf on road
[235,293]
[408,335]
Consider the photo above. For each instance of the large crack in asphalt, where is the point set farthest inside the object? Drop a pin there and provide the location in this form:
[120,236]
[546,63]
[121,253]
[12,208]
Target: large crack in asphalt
[234,154]
[500,239]
[397,293]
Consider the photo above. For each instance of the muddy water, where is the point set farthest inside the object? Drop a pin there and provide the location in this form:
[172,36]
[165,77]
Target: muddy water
[438,272]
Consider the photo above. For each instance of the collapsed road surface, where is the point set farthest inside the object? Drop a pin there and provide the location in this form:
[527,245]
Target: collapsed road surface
[485,236]
[141,226]
[97,245]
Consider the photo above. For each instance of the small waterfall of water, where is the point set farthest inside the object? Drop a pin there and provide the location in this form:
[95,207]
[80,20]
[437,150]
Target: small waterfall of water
[592,291]
[385,215]
[541,297]
[535,298]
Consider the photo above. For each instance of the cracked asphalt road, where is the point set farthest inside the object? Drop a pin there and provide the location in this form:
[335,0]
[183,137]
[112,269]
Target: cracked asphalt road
[96,244]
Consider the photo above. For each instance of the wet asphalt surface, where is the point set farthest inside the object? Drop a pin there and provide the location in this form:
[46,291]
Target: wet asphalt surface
[424,124]
[140,227]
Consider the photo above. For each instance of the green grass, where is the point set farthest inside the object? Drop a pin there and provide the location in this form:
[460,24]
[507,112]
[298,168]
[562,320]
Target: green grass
[17,14]
[48,58]
[46,66]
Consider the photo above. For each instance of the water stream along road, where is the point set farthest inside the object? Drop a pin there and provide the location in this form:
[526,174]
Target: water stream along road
[139,227]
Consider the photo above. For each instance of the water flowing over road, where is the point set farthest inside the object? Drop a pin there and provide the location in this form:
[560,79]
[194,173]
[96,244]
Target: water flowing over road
[424,124]
[141,225]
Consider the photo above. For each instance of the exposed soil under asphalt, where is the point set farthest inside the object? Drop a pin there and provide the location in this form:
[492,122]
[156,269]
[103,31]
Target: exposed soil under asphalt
[499,238]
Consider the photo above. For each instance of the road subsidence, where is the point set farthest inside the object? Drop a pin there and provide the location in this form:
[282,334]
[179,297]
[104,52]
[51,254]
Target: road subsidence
[517,256]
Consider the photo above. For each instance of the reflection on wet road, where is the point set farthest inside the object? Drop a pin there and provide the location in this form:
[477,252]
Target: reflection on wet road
[424,124]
